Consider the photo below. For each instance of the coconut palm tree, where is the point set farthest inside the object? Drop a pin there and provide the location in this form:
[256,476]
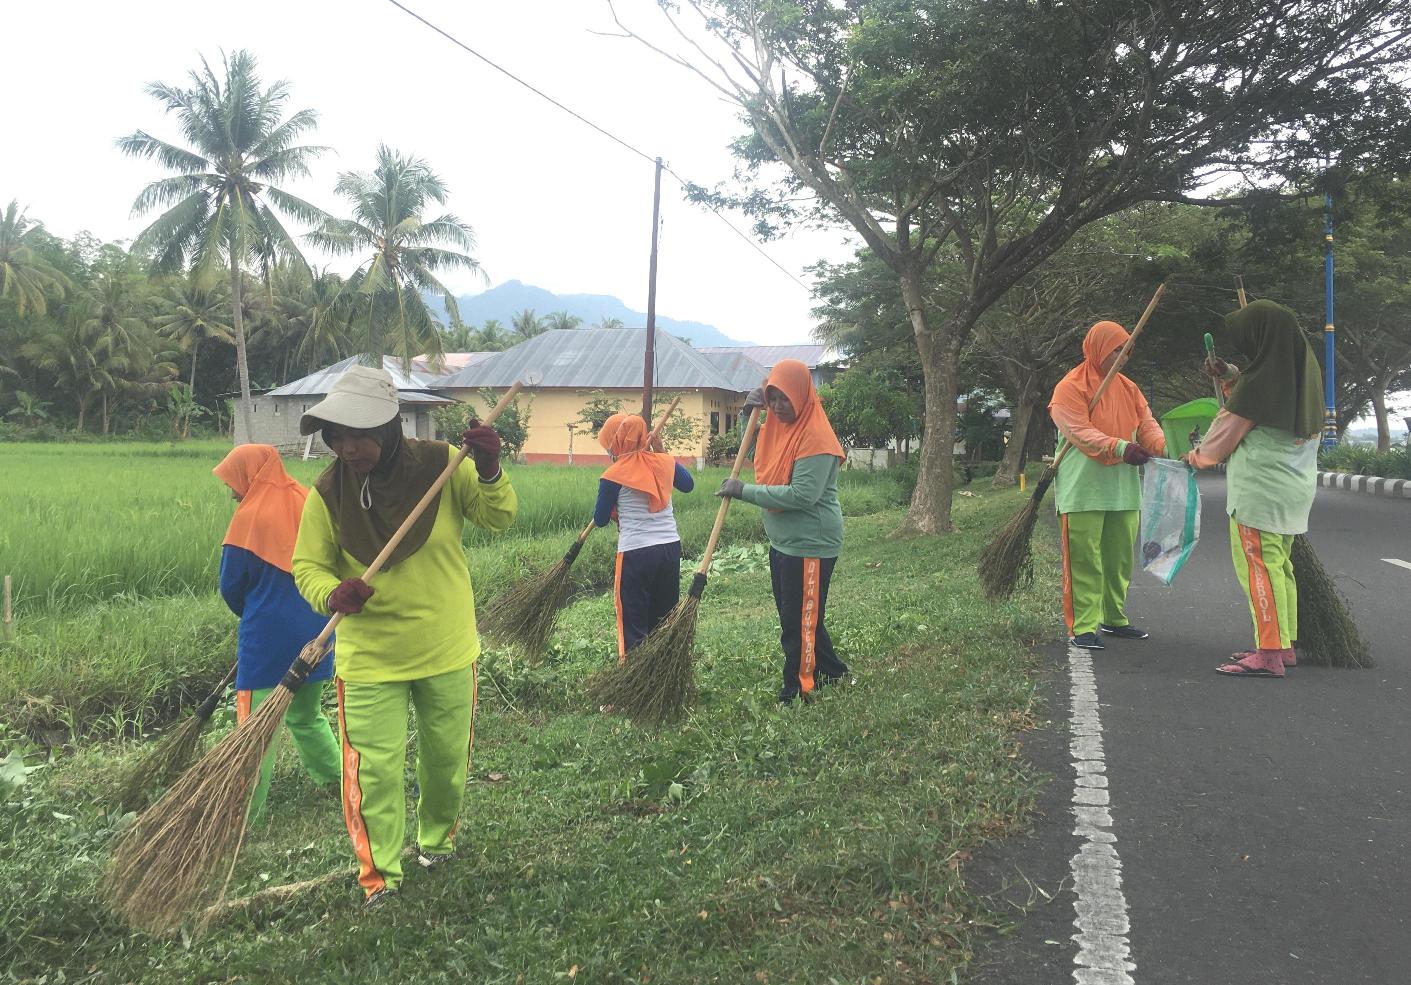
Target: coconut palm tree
[492,337]
[404,253]
[72,354]
[194,309]
[223,202]
[560,320]
[25,276]
[606,322]
[526,325]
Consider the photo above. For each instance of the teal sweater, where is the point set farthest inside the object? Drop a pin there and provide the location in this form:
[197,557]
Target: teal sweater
[803,519]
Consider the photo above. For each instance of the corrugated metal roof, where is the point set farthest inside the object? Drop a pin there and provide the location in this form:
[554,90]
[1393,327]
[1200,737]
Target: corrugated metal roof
[452,362]
[322,381]
[768,355]
[745,372]
[603,359]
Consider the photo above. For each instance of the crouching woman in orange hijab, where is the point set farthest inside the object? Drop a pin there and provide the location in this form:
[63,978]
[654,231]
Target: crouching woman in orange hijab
[1099,493]
[796,463]
[637,487]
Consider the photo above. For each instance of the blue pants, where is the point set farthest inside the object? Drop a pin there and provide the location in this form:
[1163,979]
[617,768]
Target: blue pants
[648,586]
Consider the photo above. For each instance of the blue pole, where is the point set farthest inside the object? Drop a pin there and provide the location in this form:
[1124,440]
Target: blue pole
[1330,417]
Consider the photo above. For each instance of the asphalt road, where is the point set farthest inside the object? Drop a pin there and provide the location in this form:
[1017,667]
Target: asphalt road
[1263,826]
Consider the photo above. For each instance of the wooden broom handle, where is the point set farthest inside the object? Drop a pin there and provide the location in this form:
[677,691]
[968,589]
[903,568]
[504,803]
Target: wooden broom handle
[418,509]
[746,443]
[1117,363]
[656,433]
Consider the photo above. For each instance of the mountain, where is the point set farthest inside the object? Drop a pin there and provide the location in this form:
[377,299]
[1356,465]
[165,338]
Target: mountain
[512,297]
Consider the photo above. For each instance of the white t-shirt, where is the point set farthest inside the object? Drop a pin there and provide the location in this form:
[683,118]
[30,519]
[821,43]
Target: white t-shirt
[637,526]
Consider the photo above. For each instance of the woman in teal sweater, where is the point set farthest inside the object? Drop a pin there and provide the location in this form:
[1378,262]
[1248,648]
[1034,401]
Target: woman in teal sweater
[796,467]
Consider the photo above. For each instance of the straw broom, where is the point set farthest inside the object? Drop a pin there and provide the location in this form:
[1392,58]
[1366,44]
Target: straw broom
[524,615]
[179,855]
[171,755]
[1327,634]
[657,682]
[1007,560]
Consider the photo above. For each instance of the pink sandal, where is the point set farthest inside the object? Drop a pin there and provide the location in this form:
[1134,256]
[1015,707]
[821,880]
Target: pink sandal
[1252,663]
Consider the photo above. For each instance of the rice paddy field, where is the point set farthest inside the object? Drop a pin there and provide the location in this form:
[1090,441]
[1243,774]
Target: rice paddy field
[750,843]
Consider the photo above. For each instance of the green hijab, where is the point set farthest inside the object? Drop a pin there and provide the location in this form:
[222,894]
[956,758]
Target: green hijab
[367,512]
[1281,386]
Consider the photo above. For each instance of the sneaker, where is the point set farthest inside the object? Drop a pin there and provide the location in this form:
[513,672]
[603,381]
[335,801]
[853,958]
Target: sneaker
[430,861]
[377,898]
[1087,641]
[1124,632]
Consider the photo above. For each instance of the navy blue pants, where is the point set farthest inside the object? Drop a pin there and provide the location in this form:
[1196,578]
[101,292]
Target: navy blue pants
[648,586]
[801,594]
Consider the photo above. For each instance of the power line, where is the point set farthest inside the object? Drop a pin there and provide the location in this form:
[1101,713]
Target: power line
[601,130]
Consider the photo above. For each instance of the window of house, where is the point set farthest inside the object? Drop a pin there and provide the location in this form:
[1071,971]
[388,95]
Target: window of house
[714,423]
[276,408]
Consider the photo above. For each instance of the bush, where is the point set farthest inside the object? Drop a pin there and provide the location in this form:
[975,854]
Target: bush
[1366,460]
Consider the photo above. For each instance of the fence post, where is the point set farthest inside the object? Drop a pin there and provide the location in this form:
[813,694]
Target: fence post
[9,613]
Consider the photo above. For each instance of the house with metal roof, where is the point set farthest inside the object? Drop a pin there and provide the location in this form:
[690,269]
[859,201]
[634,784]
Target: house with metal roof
[276,413]
[821,362]
[564,369]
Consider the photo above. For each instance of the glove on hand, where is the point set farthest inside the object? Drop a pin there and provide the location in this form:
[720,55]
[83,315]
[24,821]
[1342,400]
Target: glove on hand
[754,399]
[1135,454]
[350,596]
[730,489]
[484,446]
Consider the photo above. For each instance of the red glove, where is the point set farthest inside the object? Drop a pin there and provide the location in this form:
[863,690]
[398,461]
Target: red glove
[484,446]
[350,596]
[1135,454]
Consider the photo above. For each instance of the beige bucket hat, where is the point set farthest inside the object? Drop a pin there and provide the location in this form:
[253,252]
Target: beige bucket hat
[362,398]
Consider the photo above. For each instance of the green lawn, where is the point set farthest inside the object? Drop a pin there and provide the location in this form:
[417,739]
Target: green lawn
[821,843]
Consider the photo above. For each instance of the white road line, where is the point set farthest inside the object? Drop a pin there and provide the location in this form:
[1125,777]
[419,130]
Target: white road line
[1100,910]
[1397,561]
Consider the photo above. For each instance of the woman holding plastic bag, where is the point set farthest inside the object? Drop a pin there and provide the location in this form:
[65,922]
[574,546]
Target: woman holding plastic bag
[1267,433]
[1098,493]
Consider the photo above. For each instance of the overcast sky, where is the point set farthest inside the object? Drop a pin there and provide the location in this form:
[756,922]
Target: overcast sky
[552,203]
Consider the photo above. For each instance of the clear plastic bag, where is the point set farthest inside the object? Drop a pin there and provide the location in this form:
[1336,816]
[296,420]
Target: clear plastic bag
[1170,517]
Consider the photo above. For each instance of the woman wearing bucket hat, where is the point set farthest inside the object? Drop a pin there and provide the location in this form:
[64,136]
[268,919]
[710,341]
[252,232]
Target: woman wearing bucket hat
[796,463]
[412,639]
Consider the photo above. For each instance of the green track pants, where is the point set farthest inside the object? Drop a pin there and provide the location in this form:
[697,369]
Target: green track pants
[373,720]
[313,739]
[1264,565]
[1098,550]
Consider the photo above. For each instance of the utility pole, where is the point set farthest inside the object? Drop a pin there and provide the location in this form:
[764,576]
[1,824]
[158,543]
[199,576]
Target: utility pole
[1330,415]
[648,370]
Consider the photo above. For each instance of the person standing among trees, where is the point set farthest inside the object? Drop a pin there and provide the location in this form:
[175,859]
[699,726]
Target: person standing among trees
[637,488]
[1098,494]
[796,460]
[412,639]
[275,622]
[1268,432]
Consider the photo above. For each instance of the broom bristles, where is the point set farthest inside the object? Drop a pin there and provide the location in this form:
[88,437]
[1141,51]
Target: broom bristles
[657,683]
[156,768]
[1007,560]
[172,862]
[1327,634]
[525,615]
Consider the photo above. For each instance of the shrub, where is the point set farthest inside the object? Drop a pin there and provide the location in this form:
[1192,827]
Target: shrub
[1365,460]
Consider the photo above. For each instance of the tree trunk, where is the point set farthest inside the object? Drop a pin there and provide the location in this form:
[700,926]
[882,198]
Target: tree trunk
[195,349]
[1379,406]
[929,512]
[105,413]
[1008,472]
[82,407]
[242,368]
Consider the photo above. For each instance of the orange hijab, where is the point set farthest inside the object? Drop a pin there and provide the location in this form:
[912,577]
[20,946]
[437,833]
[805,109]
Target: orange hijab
[1118,413]
[779,445]
[649,472]
[266,521]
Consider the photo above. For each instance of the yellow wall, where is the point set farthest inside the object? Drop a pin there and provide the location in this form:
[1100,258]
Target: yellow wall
[554,409]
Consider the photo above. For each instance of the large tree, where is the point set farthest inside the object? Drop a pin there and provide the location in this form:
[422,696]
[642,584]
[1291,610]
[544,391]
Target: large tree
[989,132]
[223,204]
[405,252]
[26,276]
[194,309]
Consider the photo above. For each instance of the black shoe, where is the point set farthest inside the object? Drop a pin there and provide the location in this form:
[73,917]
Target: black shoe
[1087,641]
[1124,632]
[376,899]
[430,861]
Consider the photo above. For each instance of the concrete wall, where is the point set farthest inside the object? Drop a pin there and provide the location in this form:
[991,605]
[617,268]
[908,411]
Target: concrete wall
[275,422]
[553,410]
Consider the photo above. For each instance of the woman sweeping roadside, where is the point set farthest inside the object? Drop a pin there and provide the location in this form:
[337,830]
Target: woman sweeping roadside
[275,621]
[413,639]
[1267,432]
[1097,494]
[796,464]
[637,486]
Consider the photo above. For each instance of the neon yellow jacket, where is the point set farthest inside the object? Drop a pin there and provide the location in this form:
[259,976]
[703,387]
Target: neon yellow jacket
[420,622]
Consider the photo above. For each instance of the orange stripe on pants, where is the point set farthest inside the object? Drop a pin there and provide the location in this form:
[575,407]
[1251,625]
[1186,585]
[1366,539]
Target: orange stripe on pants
[617,604]
[808,614]
[1261,590]
[242,707]
[1067,578]
[368,877]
